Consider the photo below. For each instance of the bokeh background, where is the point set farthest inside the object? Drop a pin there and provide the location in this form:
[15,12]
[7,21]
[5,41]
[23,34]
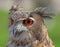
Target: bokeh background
[53,25]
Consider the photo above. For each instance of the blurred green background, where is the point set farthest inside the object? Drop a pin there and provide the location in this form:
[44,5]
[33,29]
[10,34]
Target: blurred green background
[53,25]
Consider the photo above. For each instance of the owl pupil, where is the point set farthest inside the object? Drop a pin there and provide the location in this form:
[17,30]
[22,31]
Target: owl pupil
[28,22]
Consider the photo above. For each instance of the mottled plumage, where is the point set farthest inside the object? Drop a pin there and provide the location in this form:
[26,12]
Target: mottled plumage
[27,29]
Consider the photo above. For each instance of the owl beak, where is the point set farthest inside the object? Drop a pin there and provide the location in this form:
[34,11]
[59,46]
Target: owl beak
[18,33]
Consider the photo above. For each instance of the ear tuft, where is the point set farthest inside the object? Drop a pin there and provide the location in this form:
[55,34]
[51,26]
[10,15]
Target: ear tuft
[15,8]
[40,9]
[43,12]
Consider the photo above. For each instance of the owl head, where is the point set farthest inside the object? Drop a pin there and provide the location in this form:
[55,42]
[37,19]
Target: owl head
[25,24]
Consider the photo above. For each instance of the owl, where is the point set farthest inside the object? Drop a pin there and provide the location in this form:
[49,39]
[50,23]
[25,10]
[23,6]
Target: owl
[27,28]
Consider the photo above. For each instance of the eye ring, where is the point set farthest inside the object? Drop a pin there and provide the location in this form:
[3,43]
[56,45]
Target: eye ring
[28,21]
[11,21]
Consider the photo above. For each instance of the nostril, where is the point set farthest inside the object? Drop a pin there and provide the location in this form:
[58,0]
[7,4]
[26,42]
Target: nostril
[19,32]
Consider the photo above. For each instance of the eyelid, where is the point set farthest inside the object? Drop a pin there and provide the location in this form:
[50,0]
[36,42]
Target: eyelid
[32,18]
[29,24]
[20,19]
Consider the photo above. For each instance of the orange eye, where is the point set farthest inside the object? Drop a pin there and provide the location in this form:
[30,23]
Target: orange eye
[28,22]
[11,21]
